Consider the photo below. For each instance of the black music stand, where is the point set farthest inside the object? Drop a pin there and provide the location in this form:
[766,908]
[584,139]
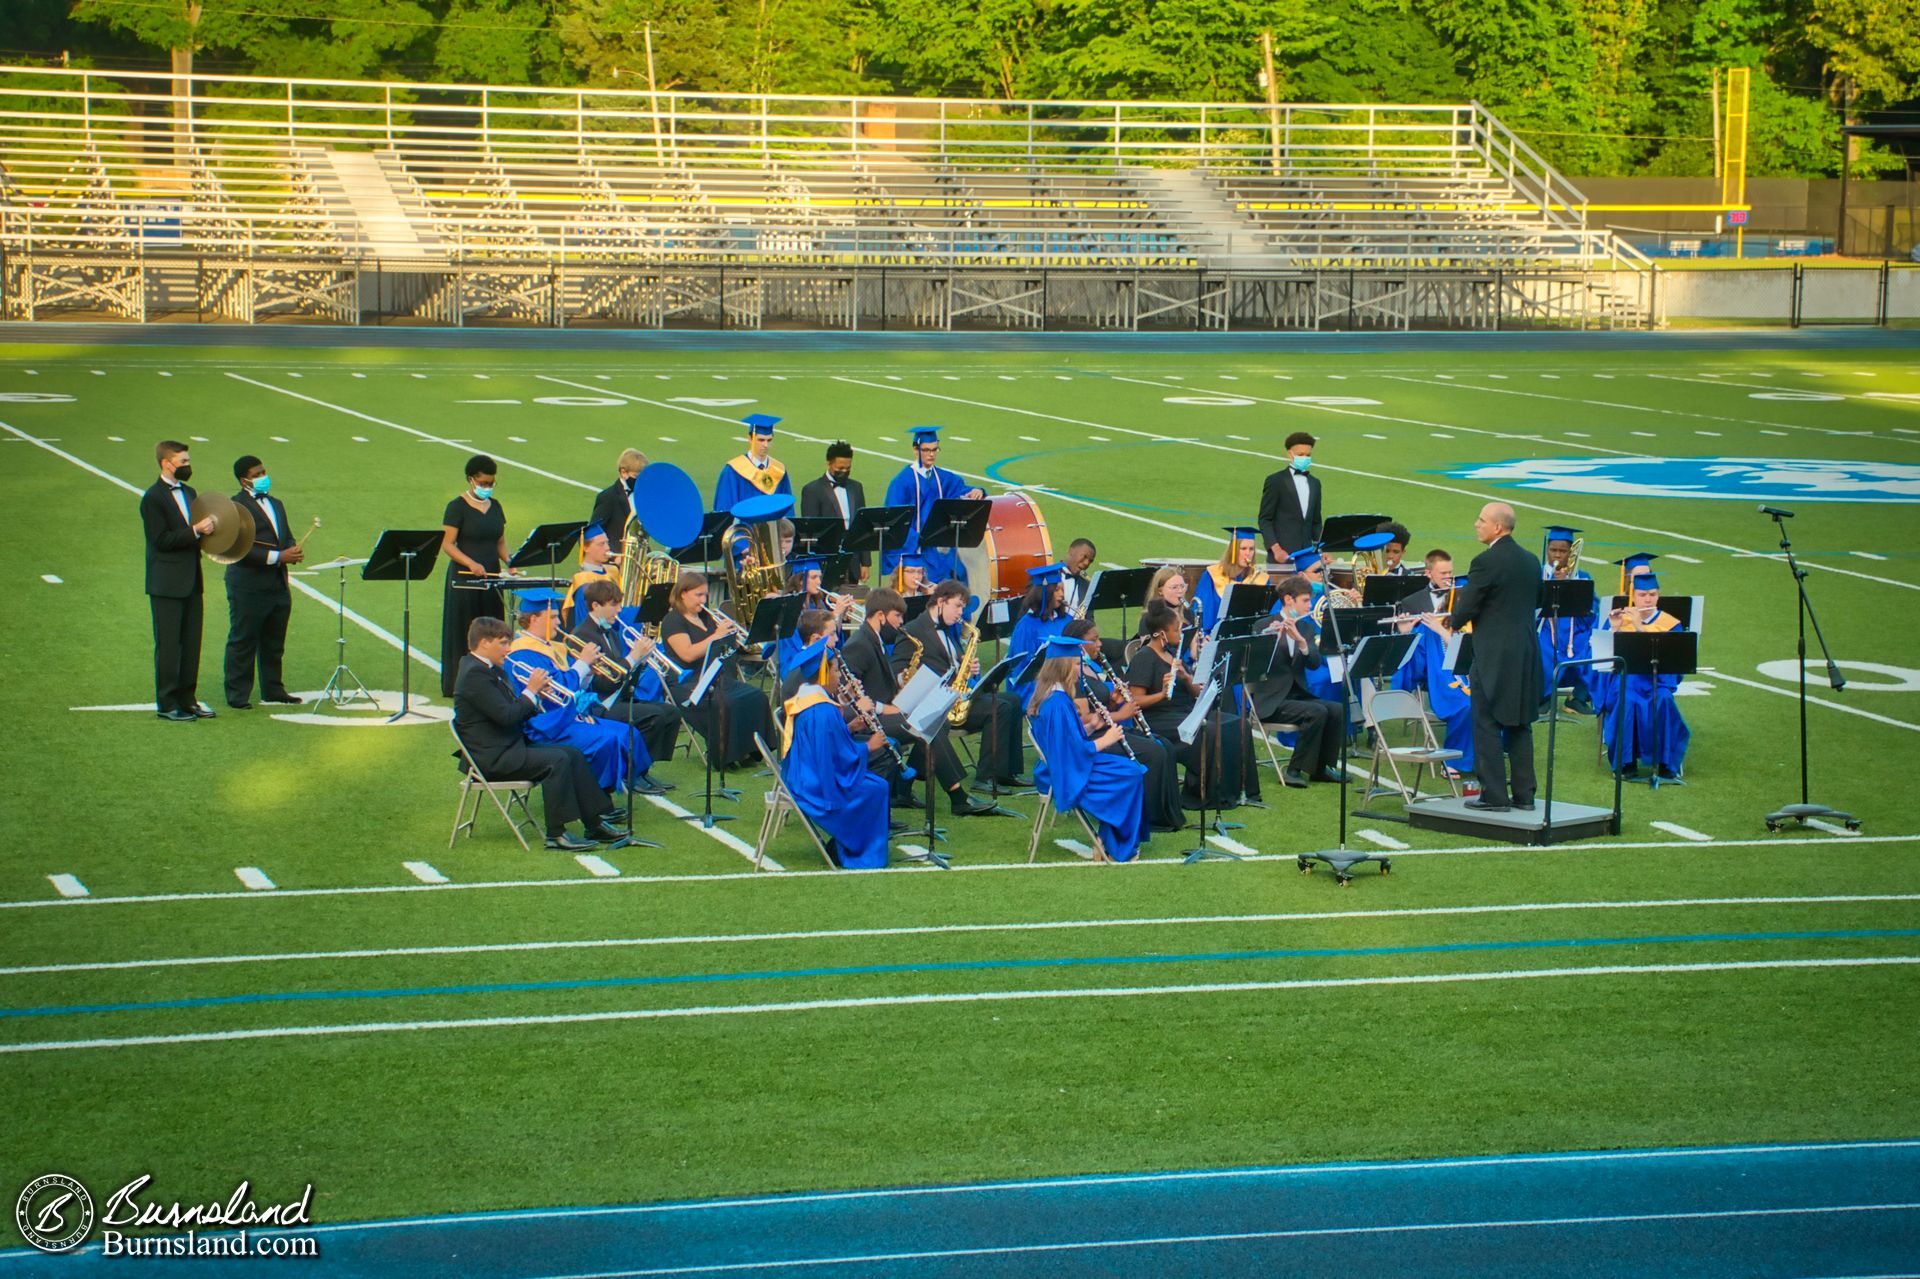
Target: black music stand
[1553,729]
[775,618]
[914,606]
[709,544]
[1372,656]
[956,522]
[1805,810]
[989,686]
[406,555]
[816,537]
[549,542]
[1563,599]
[1118,588]
[1208,735]
[873,527]
[697,696]
[1338,531]
[1386,591]
[1650,653]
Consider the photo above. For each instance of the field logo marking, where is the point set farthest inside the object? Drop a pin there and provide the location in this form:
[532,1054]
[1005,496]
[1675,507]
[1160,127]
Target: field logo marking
[1904,679]
[1722,478]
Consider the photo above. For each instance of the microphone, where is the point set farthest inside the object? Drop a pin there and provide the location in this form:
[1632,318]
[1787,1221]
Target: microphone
[1776,512]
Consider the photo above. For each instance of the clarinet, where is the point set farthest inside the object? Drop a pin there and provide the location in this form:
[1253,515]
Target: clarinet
[850,683]
[1106,717]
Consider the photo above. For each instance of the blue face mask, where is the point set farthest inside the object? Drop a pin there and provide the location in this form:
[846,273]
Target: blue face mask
[260,485]
[483,493]
[1302,463]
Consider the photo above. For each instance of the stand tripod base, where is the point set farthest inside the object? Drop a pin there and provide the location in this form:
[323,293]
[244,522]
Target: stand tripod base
[1802,813]
[707,820]
[1205,852]
[336,689]
[406,711]
[1342,861]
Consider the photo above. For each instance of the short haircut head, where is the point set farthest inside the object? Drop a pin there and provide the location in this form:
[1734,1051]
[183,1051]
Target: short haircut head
[481,464]
[884,600]
[1397,533]
[244,463]
[600,592]
[813,624]
[1437,554]
[839,448]
[631,460]
[1300,437]
[1501,516]
[1079,543]
[1294,587]
[168,448]
[482,629]
[952,588]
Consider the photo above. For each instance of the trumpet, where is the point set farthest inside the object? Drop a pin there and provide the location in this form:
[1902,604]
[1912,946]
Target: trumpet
[716,616]
[856,614]
[549,692]
[606,665]
[669,671]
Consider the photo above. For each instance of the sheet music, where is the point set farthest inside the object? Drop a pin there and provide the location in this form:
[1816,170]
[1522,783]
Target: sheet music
[1452,661]
[1337,668]
[1204,703]
[707,676]
[929,715]
[923,685]
[1203,668]
[1603,644]
[1699,614]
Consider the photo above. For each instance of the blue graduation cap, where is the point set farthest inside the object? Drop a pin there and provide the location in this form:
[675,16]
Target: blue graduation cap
[759,423]
[925,435]
[800,568]
[813,655]
[914,559]
[1046,574]
[1636,563]
[592,531]
[1240,533]
[1561,533]
[536,601]
[1065,646]
[1373,541]
[1306,558]
[1646,582]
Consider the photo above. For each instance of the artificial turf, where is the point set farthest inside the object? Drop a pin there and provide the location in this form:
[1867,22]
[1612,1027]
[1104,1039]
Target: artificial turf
[565,1112]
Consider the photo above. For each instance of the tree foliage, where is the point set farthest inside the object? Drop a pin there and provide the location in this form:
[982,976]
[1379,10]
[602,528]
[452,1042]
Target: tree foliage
[1597,86]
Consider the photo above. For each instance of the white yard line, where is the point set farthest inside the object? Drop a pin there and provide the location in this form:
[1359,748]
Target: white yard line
[1383,841]
[1233,846]
[1817,701]
[594,865]
[1683,832]
[1076,847]
[1829,826]
[959,997]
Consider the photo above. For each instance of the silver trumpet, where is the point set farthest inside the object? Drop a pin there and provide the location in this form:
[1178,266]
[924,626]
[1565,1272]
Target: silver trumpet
[669,671]
[551,693]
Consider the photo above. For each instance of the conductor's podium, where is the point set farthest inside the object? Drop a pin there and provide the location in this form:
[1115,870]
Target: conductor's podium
[1570,821]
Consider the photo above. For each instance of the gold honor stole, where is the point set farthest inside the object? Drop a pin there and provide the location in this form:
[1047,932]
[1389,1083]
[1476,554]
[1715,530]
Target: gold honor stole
[801,701]
[1221,581]
[766,480]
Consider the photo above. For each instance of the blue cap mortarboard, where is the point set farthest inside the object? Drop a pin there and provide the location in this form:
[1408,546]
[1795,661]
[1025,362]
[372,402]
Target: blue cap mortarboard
[592,531]
[925,435]
[812,655]
[1561,533]
[760,423]
[1065,645]
[1046,574]
[537,601]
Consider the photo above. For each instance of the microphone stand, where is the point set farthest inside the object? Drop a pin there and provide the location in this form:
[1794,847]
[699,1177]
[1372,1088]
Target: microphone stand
[1805,810]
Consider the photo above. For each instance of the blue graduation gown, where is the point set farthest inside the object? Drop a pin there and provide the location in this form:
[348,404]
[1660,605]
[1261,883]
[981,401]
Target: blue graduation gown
[1110,789]
[608,744]
[1447,692]
[1565,639]
[733,488]
[826,769]
[1029,633]
[1654,732]
[1212,593]
[908,489]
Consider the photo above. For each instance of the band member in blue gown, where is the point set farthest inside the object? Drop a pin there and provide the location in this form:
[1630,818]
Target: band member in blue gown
[1565,639]
[804,580]
[826,765]
[1236,565]
[1043,614]
[920,484]
[754,473]
[1109,789]
[595,553]
[613,748]
[1654,733]
[1448,692]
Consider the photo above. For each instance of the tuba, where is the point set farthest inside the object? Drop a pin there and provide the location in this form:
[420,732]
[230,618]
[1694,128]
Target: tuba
[665,507]
[755,567]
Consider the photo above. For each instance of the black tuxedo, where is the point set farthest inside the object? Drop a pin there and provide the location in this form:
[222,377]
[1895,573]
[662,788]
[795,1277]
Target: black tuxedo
[1002,745]
[612,506]
[657,722]
[816,500]
[1282,519]
[864,655]
[259,603]
[1282,696]
[491,718]
[1501,599]
[175,596]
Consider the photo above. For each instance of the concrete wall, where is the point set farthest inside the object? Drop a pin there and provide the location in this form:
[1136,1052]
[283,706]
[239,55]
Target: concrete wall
[1781,206]
[1829,293]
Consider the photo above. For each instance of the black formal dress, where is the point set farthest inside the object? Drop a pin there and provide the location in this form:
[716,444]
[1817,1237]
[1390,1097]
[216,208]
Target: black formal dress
[657,722]
[174,594]
[1283,517]
[1161,798]
[1283,696]
[1002,749]
[1501,599]
[1229,762]
[817,500]
[732,712]
[612,507]
[490,718]
[868,659]
[477,534]
[259,603]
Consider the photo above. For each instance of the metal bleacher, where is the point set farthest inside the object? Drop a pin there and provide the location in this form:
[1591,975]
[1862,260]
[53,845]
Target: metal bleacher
[250,199]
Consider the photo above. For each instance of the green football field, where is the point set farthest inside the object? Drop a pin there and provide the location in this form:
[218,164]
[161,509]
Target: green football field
[243,948]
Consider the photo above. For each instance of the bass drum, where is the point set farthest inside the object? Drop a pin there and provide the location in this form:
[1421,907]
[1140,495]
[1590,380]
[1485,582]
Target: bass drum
[1016,543]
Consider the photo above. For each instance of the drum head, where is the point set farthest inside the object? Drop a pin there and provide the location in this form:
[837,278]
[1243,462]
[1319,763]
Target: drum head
[667,503]
[761,509]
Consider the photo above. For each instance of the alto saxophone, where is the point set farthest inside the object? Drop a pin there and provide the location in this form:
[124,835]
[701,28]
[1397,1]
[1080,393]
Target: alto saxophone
[912,667]
[961,679]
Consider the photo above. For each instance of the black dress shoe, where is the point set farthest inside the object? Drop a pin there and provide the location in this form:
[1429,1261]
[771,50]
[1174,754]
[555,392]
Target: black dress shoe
[1328,775]
[965,805]
[178,717]
[643,786]
[909,800]
[1525,808]
[283,697]
[896,827]
[651,780]
[1016,782]
[242,706]
[612,817]
[1293,778]
[612,836]
[204,712]
[567,842]
[1479,805]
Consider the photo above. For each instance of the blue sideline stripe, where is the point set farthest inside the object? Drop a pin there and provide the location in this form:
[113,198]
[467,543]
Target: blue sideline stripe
[966,965]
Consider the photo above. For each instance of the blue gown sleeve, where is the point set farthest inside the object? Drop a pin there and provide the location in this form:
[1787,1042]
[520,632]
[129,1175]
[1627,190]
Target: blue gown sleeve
[1069,754]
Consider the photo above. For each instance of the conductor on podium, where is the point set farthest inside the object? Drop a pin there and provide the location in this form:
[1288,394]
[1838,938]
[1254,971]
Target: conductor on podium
[1501,595]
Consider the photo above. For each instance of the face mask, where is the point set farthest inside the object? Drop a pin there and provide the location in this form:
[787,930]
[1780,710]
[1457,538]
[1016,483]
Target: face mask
[183,473]
[261,485]
[1301,463]
[889,632]
[484,493]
